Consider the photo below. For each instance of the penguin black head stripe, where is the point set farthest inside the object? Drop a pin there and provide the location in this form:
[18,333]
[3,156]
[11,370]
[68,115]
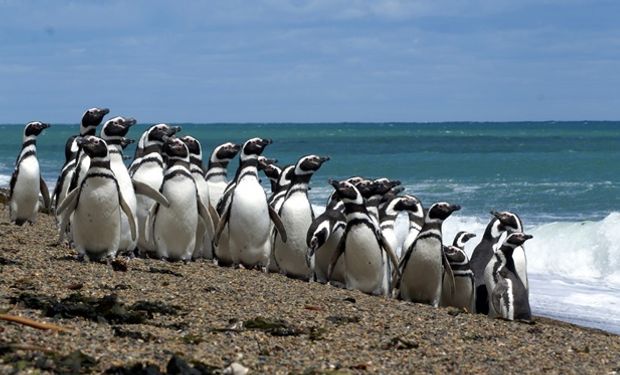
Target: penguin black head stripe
[441,210]
[225,152]
[34,128]
[254,146]
[461,238]
[175,148]
[309,164]
[383,185]
[366,187]
[408,203]
[91,119]
[265,163]
[156,133]
[94,147]
[192,145]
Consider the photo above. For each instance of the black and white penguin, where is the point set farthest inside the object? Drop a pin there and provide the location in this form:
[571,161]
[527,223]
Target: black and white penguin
[365,250]
[484,251]
[148,172]
[381,187]
[247,218]
[217,170]
[422,266]
[279,192]
[323,238]
[416,221]
[271,171]
[173,229]
[461,292]
[26,181]
[91,119]
[297,215]
[388,212]
[96,205]
[204,246]
[113,132]
[508,297]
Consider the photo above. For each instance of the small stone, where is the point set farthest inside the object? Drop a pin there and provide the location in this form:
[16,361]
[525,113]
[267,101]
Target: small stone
[236,368]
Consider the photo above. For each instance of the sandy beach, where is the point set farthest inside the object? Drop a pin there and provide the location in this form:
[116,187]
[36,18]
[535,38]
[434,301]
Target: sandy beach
[140,312]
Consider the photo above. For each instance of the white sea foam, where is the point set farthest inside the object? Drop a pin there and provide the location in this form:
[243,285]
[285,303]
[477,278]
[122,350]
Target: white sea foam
[4,180]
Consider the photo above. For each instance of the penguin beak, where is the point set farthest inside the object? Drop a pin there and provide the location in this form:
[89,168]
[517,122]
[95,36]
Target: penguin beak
[105,111]
[455,207]
[469,236]
[173,130]
[130,121]
[527,237]
[45,126]
[334,183]
[397,189]
[495,214]
[270,161]
[80,141]
[265,141]
[236,147]
[323,159]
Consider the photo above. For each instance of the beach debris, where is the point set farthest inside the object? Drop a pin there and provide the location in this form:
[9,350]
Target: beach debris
[32,323]
[275,327]
[105,309]
[164,271]
[342,319]
[135,369]
[120,265]
[75,286]
[400,343]
[236,368]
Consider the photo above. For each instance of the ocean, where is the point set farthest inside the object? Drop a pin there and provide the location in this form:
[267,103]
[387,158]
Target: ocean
[562,178]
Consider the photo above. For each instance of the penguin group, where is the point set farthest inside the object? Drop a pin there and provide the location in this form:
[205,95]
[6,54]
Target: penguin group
[168,205]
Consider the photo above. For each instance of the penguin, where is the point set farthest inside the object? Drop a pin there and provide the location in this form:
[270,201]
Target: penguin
[26,181]
[484,251]
[322,240]
[297,215]
[284,182]
[203,247]
[216,175]
[88,125]
[334,201]
[113,132]
[422,265]
[91,119]
[512,222]
[247,218]
[388,212]
[508,298]
[461,293]
[96,205]
[148,173]
[380,187]
[365,250]
[271,171]
[173,229]
[416,221]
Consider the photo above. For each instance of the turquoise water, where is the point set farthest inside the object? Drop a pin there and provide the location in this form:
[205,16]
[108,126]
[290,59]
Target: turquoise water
[561,177]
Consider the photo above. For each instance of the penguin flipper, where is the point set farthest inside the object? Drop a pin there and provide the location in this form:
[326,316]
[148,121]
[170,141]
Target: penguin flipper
[391,254]
[144,189]
[277,222]
[149,222]
[221,225]
[335,256]
[203,212]
[45,193]
[69,201]
[496,295]
[215,217]
[130,216]
[448,271]
[13,182]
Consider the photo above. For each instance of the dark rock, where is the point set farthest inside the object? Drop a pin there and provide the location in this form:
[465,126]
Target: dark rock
[178,366]
[120,265]
[136,369]
[164,271]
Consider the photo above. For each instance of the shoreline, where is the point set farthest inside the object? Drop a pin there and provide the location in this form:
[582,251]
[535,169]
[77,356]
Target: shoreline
[266,322]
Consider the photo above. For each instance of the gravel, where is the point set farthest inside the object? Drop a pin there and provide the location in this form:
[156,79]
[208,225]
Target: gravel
[206,318]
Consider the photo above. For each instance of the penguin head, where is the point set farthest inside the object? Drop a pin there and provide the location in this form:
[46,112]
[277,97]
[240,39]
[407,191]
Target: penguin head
[408,203]
[254,147]
[193,145]
[117,127]
[34,128]
[309,164]
[319,237]
[264,163]
[94,147]
[175,148]
[225,152]
[158,132]
[510,222]
[355,179]
[365,187]
[461,238]
[71,148]
[517,239]
[454,253]
[347,191]
[383,185]
[440,211]
[91,119]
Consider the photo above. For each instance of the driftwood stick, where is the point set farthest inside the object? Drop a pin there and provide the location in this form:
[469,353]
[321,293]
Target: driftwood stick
[32,323]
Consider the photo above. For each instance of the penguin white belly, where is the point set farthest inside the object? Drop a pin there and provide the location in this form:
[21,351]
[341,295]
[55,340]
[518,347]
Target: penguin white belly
[174,227]
[96,221]
[296,216]
[390,236]
[491,278]
[463,294]
[65,183]
[422,277]
[25,199]
[216,190]
[520,261]
[203,247]
[125,186]
[249,225]
[323,256]
[409,240]
[363,261]
[151,174]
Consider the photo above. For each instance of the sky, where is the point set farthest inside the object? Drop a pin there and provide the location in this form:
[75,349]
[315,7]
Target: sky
[310,60]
